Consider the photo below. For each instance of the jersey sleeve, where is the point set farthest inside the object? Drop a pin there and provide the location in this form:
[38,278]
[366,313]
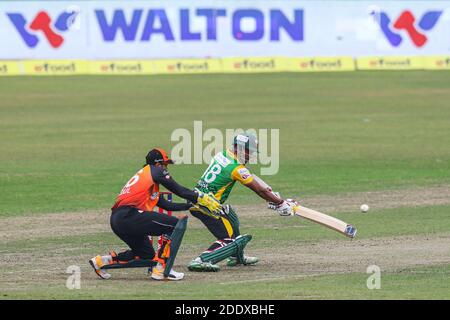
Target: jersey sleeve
[162,176]
[242,174]
[159,174]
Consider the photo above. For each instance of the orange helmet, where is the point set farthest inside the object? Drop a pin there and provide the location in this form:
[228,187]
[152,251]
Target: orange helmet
[157,155]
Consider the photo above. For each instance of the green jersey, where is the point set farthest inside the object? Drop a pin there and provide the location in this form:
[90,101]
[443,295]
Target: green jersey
[221,175]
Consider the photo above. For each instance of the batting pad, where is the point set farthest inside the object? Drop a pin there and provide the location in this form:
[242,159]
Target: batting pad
[235,248]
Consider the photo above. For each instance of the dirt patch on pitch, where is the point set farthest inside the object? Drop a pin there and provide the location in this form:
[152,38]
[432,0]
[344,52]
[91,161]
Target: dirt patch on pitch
[377,200]
[26,268]
[391,254]
[90,222]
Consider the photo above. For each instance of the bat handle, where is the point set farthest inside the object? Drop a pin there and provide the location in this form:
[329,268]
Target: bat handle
[350,231]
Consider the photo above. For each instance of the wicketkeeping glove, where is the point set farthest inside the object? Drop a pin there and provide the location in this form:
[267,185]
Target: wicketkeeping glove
[207,204]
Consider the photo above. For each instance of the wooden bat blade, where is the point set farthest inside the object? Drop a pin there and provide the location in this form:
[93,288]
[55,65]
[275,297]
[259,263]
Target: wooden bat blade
[326,220]
[318,217]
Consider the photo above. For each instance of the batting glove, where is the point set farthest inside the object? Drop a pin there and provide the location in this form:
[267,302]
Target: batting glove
[286,208]
[272,205]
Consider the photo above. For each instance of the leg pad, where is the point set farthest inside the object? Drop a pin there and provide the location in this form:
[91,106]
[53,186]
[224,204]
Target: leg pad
[234,248]
[175,242]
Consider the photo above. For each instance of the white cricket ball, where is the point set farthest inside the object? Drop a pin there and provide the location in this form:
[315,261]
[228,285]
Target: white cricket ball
[364,208]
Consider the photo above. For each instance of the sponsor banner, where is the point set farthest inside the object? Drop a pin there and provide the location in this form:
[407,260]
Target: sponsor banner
[158,29]
[270,64]
[10,68]
[321,64]
[437,63]
[187,66]
[390,63]
[55,67]
[226,65]
[123,67]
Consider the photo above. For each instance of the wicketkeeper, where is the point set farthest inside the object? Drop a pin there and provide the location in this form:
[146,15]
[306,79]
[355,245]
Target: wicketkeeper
[225,169]
[133,220]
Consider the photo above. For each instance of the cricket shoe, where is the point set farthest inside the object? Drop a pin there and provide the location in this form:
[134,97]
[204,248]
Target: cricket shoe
[97,263]
[158,274]
[197,265]
[232,261]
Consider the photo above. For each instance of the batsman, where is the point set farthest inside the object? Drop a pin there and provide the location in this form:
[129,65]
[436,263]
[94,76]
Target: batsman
[225,169]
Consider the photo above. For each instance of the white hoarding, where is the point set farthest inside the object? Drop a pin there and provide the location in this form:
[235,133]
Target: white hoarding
[199,29]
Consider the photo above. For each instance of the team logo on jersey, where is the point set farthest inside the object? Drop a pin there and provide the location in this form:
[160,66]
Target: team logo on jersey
[244,173]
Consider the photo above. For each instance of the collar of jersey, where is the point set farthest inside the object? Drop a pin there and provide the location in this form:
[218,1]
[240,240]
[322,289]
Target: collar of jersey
[231,154]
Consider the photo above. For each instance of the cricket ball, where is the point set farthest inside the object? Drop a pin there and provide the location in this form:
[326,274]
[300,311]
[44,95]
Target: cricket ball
[364,208]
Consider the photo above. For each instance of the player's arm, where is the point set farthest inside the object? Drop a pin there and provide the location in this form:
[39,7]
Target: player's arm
[264,192]
[243,175]
[172,206]
[161,176]
[284,207]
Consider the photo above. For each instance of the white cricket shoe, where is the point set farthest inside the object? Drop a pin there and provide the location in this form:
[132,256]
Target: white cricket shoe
[158,274]
[96,263]
[232,261]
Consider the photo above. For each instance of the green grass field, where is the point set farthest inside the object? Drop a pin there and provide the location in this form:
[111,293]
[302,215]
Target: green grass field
[70,143]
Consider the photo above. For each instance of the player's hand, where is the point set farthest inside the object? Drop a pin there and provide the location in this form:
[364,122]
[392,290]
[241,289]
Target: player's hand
[207,204]
[286,208]
[272,205]
[292,201]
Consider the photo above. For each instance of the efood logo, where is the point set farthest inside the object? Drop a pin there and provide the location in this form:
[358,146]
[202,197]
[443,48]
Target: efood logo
[255,65]
[42,22]
[3,69]
[440,63]
[397,63]
[180,66]
[312,64]
[407,22]
[121,67]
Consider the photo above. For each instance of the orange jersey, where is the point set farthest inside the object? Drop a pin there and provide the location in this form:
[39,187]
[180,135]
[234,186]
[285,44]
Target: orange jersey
[140,192]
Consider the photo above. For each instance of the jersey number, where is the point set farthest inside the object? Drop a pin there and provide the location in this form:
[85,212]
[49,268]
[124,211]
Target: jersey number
[212,172]
[132,182]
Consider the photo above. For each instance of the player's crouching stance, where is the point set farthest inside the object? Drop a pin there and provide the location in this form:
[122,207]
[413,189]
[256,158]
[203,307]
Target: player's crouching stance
[225,169]
[133,220]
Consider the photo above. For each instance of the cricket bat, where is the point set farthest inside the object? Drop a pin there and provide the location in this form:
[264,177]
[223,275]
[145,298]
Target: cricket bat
[326,220]
[318,217]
